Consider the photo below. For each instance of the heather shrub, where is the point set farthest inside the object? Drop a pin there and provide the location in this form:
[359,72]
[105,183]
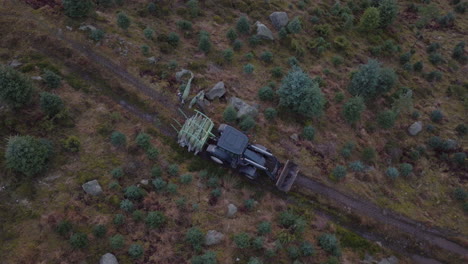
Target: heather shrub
[63,228]
[307,249]
[71,144]
[270,113]
[173,170]
[371,80]
[264,228]
[249,204]
[208,258]
[386,119]
[368,154]
[148,32]
[294,26]
[143,140]
[152,153]
[247,123]
[194,9]
[293,252]
[77,8]
[434,76]
[119,219]
[370,20]
[388,11]
[277,72]
[237,45]
[266,56]
[133,192]
[99,231]
[243,25]
[228,55]
[406,169]
[173,39]
[257,243]
[127,205]
[117,241]
[204,42]
[184,25]
[459,52]
[159,184]
[117,173]
[231,35]
[186,179]
[436,116]
[356,166]
[138,215]
[249,68]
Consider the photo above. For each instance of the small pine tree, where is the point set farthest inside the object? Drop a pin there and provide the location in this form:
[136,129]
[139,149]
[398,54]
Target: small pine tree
[173,39]
[242,240]
[123,21]
[294,26]
[135,251]
[51,104]
[27,155]
[155,219]
[52,79]
[228,55]
[195,238]
[16,90]
[249,68]
[371,80]
[353,109]
[231,35]
[243,25]
[204,44]
[388,11]
[77,8]
[247,123]
[308,133]
[118,139]
[99,231]
[370,20]
[339,172]
[148,32]
[266,56]
[386,119]
[117,241]
[266,93]
[194,9]
[79,240]
[230,114]
[392,173]
[270,113]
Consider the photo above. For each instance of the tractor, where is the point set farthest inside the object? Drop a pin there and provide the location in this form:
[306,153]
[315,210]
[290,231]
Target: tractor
[231,148]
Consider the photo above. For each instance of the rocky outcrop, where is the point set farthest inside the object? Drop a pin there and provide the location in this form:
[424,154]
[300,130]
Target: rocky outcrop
[108,258]
[92,187]
[231,210]
[242,107]
[216,92]
[415,128]
[279,19]
[263,31]
[213,237]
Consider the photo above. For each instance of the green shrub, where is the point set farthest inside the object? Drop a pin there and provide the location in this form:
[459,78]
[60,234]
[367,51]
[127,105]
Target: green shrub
[228,55]
[173,39]
[294,26]
[243,25]
[434,76]
[405,58]
[208,258]
[53,80]
[133,192]
[291,221]
[460,194]
[51,104]
[462,129]
[145,49]
[159,184]
[79,240]
[71,144]
[237,45]
[301,94]
[337,60]
[283,33]
[152,153]
[204,43]
[436,58]
[27,155]
[270,113]
[264,228]
[193,8]
[172,188]
[356,166]
[447,20]
[155,219]
[119,219]
[117,173]
[127,205]
[307,249]
[16,90]
[257,243]
[117,241]
[368,154]
[249,68]
[135,251]
[173,170]
[308,132]
[418,66]
[123,21]
[148,32]
[459,52]
[370,20]
[434,46]
[138,215]
[242,240]
[195,238]
[293,252]
[341,43]
[152,8]
[249,204]
[184,25]
[347,149]
[216,193]
[186,179]
[266,56]
[247,123]
[330,244]
[339,172]
[77,8]
[436,116]
[213,182]
[459,159]
[386,119]
[406,169]
[392,173]
[143,140]
[63,228]
[253,260]
[353,109]
[254,41]
[371,80]
[231,35]
[388,11]
[99,231]
[277,72]
[266,93]
[118,139]
[230,114]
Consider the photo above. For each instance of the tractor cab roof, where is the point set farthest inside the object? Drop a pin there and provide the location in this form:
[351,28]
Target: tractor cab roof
[233,140]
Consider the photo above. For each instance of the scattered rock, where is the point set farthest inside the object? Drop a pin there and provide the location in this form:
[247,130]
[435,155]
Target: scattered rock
[144,182]
[415,128]
[152,60]
[232,210]
[87,27]
[216,92]
[69,28]
[294,137]
[15,64]
[36,78]
[213,237]
[390,260]
[108,258]
[279,19]
[263,31]
[92,187]
[181,73]
[242,107]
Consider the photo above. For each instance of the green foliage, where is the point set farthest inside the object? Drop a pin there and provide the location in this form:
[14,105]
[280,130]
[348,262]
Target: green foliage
[79,240]
[436,58]
[138,215]
[52,79]
[118,139]
[257,243]
[459,52]
[117,241]
[405,58]
[294,26]
[266,56]
[119,219]
[370,20]
[230,114]
[97,35]
[16,90]
[105,3]
[184,25]
[447,20]
[99,231]
[51,104]
[392,173]
[307,249]
[143,140]
[27,155]
[243,25]
[216,193]
[434,76]
[155,219]
[293,252]
[186,179]
[418,66]
[371,80]
[347,149]
[127,205]
[270,113]
[123,21]
[145,49]
[63,228]
[237,45]
[301,94]
[339,172]
[194,9]
[152,8]
[135,251]
[459,159]
[264,228]
[292,221]
[208,258]
[406,169]
[249,204]
[308,132]
[368,154]
[242,240]
[133,192]
[173,170]
[353,109]
[247,123]
[204,43]
[71,144]
[437,116]
[266,93]
[330,244]
[159,184]
[117,173]
[173,39]
[228,55]
[195,238]
[460,194]
[149,33]
[249,68]
[172,188]
[434,46]
[277,72]
[231,35]
[357,166]
[152,153]
[388,11]
[253,260]
[386,119]
[283,33]
[77,8]
[337,60]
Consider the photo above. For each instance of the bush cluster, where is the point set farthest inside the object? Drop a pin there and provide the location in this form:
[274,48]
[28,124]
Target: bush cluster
[27,155]
[353,109]
[330,243]
[371,80]
[16,90]
[51,104]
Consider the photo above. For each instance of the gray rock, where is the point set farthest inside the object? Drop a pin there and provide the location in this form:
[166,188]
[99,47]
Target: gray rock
[242,107]
[390,260]
[213,237]
[108,258]
[87,27]
[36,78]
[69,28]
[92,187]
[144,182]
[279,19]
[15,64]
[216,92]
[294,137]
[415,128]
[263,31]
[232,210]
[152,60]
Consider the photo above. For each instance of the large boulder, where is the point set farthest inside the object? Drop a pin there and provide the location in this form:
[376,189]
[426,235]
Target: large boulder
[92,187]
[232,210]
[415,128]
[213,237]
[108,258]
[279,19]
[216,92]
[263,31]
[390,260]
[242,107]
